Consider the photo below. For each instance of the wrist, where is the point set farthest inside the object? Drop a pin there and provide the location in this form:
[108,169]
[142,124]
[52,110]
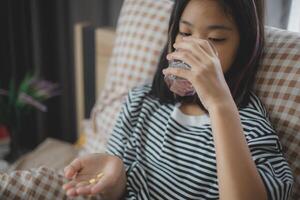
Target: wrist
[224,106]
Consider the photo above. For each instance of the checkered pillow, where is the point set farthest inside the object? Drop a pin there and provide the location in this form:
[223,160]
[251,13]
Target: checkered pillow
[38,183]
[278,86]
[140,36]
[31,184]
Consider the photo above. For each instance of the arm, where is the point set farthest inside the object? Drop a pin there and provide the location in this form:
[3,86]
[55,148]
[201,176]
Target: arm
[122,131]
[237,173]
[113,183]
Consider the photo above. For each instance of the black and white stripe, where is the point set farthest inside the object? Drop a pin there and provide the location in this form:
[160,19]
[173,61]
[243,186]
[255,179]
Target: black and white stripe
[166,160]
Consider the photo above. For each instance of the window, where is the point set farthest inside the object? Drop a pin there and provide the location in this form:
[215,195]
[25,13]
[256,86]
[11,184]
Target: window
[294,18]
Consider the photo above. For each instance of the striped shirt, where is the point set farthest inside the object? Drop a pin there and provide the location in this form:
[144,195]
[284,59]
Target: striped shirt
[166,159]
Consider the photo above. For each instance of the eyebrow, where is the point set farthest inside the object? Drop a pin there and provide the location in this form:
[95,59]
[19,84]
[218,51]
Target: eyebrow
[210,27]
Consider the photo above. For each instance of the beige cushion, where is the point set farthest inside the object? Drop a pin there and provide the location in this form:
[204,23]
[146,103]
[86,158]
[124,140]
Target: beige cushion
[104,38]
[54,154]
[278,86]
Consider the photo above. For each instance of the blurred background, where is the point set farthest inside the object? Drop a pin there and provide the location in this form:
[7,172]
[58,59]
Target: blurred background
[39,37]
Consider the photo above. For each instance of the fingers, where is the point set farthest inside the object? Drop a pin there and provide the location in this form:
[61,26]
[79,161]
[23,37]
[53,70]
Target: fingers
[73,168]
[205,44]
[103,184]
[182,73]
[213,48]
[184,56]
[91,188]
[70,189]
[194,48]
[71,192]
[84,189]
[75,188]
[69,185]
[82,184]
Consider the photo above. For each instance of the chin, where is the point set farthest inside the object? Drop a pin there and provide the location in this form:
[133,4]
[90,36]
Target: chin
[187,99]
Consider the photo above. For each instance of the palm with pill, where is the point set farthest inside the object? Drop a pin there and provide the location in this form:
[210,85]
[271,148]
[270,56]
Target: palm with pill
[96,174]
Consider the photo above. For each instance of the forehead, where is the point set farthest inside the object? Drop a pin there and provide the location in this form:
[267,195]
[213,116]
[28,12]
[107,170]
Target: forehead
[205,12]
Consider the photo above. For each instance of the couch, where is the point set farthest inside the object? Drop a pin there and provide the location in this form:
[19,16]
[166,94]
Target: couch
[140,36]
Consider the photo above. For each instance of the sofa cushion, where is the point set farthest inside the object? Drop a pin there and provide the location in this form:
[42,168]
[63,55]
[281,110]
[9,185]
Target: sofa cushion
[278,86]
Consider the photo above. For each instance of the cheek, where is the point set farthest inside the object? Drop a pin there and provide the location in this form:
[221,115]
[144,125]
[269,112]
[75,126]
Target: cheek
[227,56]
[225,61]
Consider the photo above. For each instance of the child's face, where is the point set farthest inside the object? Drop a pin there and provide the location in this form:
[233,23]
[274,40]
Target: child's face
[205,19]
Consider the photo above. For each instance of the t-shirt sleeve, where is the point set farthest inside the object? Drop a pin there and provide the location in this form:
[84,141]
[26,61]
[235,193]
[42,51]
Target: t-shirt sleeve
[266,151]
[271,164]
[123,129]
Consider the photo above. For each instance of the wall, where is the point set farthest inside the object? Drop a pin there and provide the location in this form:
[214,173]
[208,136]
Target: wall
[277,13]
[98,12]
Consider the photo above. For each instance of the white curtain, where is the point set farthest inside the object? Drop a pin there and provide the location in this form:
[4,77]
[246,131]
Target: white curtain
[294,18]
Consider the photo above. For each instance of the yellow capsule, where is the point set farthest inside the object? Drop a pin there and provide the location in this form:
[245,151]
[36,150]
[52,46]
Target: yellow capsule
[99,175]
[92,181]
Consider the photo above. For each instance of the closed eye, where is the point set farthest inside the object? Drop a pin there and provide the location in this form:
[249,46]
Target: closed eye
[217,39]
[184,34]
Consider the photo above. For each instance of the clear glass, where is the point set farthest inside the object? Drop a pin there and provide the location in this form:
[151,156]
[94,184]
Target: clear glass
[178,85]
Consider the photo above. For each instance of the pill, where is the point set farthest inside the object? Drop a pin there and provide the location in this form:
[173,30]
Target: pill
[99,175]
[92,181]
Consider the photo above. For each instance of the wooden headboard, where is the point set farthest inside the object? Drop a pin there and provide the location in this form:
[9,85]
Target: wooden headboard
[92,51]
[104,45]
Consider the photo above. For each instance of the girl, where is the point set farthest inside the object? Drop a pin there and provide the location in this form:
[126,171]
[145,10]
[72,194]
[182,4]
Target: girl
[215,144]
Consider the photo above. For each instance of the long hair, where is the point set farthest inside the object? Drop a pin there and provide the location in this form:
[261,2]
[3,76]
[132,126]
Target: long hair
[249,18]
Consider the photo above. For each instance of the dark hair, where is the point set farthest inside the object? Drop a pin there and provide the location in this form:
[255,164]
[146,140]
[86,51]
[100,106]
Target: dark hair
[249,18]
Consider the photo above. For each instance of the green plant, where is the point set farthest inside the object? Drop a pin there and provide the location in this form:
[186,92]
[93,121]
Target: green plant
[28,96]
[18,102]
